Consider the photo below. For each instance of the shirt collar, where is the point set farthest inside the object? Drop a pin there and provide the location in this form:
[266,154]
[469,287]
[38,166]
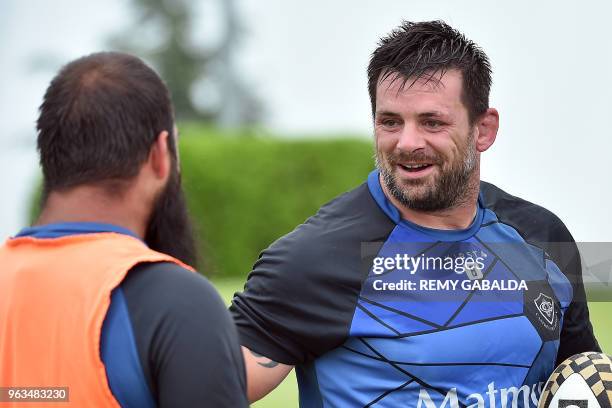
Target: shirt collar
[62,229]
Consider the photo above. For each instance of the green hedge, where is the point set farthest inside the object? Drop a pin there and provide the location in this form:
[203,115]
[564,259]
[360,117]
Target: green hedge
[245,192]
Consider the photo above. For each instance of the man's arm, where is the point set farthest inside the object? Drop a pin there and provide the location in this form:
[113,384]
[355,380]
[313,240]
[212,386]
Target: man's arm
[186,339]
[299,300]
[263,374]
[545,230]
[577,334]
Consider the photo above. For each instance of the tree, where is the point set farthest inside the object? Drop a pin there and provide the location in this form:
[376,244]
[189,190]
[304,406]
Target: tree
[203,79]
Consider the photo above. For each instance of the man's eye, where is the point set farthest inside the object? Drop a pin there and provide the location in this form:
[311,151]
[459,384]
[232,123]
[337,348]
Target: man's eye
[432,124]
[390,122]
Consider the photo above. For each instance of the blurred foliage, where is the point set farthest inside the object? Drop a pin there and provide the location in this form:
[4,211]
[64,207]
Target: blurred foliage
[162,33]
[34,206]
[244,193]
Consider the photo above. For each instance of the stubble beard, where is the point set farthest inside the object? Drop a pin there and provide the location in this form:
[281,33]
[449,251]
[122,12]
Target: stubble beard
[451,187]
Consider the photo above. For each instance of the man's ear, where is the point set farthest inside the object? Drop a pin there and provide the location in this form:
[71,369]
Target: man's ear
[159,156]
[175,136]
[487,125]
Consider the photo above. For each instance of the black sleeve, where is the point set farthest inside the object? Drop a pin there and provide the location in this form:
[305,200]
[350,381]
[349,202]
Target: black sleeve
[286,311]
[542,228]
[577,333]
[300,297]
[186,340]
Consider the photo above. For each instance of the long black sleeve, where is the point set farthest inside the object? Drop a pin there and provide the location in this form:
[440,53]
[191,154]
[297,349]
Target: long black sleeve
[186,339]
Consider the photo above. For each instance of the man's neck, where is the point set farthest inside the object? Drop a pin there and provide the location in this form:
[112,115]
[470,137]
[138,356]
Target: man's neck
[458,217]
[90,204]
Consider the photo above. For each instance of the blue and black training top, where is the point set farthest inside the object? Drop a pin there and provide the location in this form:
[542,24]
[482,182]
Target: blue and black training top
[360,336]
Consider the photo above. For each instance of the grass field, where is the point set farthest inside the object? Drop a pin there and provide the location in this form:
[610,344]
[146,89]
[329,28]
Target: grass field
[286,394]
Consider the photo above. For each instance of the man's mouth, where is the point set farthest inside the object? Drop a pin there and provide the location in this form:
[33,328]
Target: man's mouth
[416,167]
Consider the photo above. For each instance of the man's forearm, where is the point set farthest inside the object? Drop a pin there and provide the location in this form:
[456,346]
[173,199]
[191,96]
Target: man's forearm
[263,374]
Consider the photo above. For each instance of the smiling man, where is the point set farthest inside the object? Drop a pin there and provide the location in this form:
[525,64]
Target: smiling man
[314,298]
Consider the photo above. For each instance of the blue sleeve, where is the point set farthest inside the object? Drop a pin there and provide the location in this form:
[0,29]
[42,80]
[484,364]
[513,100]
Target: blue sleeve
[184,339]
[118,351]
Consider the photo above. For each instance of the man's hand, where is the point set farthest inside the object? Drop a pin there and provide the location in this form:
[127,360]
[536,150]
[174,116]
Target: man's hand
[263,374]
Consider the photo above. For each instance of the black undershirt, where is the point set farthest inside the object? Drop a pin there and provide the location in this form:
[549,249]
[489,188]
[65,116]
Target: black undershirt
[185,337]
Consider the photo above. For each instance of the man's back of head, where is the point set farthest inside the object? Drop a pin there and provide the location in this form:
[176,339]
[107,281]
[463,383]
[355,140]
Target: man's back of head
[108,151]
[100,116]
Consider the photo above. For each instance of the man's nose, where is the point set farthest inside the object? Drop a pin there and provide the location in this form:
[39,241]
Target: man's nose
[411,139]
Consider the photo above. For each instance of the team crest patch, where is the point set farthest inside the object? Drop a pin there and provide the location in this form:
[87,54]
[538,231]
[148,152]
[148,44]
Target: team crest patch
[543,309]
[546,306]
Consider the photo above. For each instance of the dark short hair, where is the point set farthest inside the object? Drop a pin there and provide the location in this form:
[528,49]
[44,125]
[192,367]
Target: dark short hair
[99,118]
[423,50]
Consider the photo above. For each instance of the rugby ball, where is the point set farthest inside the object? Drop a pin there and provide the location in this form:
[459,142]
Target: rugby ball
[582,381]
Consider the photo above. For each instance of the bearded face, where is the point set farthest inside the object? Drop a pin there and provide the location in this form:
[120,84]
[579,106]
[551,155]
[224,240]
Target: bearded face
[444,188]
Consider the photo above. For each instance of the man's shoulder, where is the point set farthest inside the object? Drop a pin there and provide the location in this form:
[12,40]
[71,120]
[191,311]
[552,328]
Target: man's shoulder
[300,297]
[345,221]
[532,221]
[170,288]
[348,206]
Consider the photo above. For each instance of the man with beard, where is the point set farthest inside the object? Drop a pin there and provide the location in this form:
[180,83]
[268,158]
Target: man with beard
[337,299]
[97,297]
